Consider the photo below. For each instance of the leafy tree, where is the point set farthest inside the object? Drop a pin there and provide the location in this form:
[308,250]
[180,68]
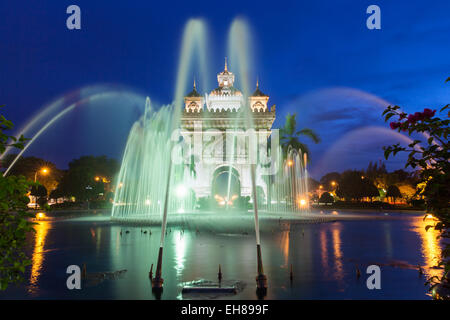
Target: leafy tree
[431,157]
[369,189]
[14,223]
[7,140]
[55,194]
[31,168]
[393,192]
[40,192]
[80,180]
[289,136]
[351,186]
[327,179]
[378,174]
[313,184]
[326,197]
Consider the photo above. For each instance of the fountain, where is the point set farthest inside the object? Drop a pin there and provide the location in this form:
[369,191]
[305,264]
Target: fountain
[158,142]
[164,170]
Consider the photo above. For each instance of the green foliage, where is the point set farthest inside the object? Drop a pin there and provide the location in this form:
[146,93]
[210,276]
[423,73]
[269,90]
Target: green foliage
[14,226]
[289,135]
[431,157]
[393,192]
[327,179]
[353,186]
[40,192]
[31,167]
[14,223]
[326,197]
[79,180]
[205,203]
[7,140]
[243,203]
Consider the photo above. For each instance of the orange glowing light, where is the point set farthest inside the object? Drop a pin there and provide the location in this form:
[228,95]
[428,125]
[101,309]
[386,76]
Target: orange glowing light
[40,215]
[302,202]
[290,163]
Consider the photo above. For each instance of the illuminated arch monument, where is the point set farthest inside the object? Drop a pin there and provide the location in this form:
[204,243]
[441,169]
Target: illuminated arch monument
[214,126]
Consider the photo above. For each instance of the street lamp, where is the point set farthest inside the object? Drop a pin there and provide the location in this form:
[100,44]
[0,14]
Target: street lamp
[42,171]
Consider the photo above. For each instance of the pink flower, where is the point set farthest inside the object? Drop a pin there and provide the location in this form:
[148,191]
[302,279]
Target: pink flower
[419,116]
[412,118]
[428,113]
[394,125]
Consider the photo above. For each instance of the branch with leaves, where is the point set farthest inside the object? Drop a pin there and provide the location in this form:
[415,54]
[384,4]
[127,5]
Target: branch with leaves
[14,219]
[431,157]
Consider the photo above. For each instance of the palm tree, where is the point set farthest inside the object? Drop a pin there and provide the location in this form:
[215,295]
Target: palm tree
[289,136]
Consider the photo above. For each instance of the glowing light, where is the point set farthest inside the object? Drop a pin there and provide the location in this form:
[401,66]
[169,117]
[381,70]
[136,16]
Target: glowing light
[333,183]
[429,216]
[290,163]
[148,202]
[321,186]
[181,191]
[38,256]
[45,170]
[40,215]
[302,202]
[97,178]
[431,247]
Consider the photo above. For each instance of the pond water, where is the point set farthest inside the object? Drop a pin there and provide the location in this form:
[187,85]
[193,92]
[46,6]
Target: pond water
[324,258]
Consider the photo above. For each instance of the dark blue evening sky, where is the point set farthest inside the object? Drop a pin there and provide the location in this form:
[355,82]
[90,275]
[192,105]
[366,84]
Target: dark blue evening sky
[315,58]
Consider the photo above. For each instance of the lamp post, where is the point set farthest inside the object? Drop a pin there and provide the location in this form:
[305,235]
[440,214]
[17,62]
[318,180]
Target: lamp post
[42,171]
[88,188]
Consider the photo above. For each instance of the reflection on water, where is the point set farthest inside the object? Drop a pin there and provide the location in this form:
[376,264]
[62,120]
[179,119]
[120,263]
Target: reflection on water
[324,251]
[339,272]
[336,270]
[284,244]
[37,258]
[431,248]
[323,256]
[180,252]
